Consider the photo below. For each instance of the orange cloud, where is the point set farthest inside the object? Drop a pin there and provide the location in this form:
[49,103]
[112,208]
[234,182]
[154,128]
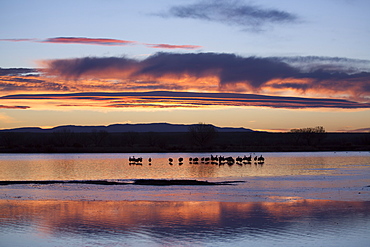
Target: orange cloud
[102,41]
[91,41]
[167,46]
[17,40]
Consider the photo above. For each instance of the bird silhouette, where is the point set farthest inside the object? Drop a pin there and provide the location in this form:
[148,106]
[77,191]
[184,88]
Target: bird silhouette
[261,159]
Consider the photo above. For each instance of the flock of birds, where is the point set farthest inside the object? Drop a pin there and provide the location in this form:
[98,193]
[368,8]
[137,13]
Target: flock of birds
[215,160]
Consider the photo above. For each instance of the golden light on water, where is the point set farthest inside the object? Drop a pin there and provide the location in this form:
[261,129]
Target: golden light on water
[120,215]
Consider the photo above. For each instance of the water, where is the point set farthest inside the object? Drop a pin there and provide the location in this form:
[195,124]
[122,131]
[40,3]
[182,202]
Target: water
[116,166]
[293,199]
[143,223]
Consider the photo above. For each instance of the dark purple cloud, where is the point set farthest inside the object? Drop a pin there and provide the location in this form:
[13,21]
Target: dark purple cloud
[235,13]
[16,71]
[228,67]
[14,107]
[255,73]
[77,67]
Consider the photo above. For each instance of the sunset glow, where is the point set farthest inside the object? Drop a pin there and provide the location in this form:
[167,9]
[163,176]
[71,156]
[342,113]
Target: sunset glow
[129,214]
[184,123]
[202,70]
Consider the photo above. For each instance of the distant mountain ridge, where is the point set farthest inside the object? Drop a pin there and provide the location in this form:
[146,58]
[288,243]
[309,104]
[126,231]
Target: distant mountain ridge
[117,128]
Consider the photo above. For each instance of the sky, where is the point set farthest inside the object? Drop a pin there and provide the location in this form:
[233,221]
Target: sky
[264,64]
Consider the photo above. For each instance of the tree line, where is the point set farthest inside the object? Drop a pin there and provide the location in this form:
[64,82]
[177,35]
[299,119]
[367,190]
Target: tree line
[200,137]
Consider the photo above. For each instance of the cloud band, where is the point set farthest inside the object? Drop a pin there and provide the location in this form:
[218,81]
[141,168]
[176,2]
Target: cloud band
[161,99]
[103,41]
[233,13]
[230,71]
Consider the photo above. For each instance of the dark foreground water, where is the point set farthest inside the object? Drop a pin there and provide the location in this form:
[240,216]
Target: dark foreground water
[293,199]
[149,223]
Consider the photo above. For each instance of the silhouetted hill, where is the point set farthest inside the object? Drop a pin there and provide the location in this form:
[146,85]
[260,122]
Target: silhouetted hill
[133,138]
[121,128]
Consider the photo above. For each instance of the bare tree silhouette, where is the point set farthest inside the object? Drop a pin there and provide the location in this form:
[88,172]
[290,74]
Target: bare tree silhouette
[10,139]
[97,137]
[151,139]
[63,137]
[131,138]
[201,134]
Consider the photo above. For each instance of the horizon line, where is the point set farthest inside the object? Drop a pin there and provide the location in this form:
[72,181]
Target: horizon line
[358,130]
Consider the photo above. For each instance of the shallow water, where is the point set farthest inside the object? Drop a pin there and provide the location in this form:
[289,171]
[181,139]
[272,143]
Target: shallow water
[293,199]
[117,166]
[148,223]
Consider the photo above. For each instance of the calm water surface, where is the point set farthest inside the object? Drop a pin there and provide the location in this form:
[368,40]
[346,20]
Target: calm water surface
[142,223]
[301,222]
[116,166]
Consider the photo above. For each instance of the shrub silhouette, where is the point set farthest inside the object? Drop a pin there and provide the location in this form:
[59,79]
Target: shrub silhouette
[312,136]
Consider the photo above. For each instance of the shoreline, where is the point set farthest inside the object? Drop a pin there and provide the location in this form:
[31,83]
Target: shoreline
[148,182]
[62,150]
[117,151]
[253,189]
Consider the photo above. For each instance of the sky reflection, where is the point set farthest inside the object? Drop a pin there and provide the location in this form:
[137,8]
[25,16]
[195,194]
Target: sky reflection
[185,223]
[116,166]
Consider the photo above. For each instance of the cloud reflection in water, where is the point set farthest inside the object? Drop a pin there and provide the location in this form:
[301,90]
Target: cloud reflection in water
[187,223]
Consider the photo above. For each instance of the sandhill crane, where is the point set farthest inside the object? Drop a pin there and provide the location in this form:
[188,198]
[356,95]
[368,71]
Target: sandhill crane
[135,160]
[230,160]
[261,159]
[248,159]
